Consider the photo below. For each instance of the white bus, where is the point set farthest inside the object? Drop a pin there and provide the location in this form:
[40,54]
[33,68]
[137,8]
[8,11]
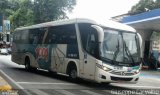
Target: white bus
[109,52]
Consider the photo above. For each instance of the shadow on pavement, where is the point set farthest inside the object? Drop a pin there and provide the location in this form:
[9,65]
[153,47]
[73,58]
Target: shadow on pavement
[81,82]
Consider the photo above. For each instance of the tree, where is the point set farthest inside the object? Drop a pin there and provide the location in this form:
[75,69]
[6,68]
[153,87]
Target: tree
[21,17]
[157,4]
[20,13]
[143,6]
[48,10]
[3,6]
[28,12]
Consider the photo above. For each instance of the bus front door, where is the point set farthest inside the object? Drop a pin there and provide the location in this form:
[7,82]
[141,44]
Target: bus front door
[89,67]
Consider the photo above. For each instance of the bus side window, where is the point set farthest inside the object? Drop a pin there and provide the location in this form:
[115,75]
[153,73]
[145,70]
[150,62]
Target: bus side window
[15,37]
[24,37]
[35,39]
[64,34]
[18,37]
[53,35]
[36,35]
[41,32]
[33,36]
[52,39]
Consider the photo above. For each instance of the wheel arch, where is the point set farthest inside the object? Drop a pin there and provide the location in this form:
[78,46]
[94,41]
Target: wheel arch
[26,57]
[70,64]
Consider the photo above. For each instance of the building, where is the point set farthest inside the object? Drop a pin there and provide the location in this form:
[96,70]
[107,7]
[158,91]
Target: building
[148,25]
[4,30]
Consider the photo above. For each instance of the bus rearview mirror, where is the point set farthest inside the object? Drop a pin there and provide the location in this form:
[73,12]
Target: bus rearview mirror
[100,32]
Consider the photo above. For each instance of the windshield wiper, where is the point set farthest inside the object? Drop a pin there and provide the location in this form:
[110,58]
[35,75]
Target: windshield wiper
[128,53]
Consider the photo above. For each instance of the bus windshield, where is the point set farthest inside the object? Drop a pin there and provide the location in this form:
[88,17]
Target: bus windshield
[120,47]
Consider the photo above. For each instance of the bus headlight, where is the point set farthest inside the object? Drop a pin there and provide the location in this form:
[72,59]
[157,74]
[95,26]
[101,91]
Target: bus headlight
[106,69]
[103,67]
[136,72]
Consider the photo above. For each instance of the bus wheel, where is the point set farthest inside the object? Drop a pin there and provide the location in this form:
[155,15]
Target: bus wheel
[27,64]
[73,73]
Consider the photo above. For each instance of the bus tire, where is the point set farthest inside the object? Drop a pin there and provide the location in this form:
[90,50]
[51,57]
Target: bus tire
[73,73]
[72,70]
[27,64]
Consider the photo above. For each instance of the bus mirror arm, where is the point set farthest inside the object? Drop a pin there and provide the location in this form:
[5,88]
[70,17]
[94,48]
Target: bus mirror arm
[100,32]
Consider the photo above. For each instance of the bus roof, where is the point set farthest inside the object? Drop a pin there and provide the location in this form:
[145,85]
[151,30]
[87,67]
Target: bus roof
[107,24]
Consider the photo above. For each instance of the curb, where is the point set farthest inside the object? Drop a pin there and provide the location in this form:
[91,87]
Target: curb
[4,86]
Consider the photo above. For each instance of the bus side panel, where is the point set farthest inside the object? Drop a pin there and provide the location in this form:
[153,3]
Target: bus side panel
[30,52]
[73,56]
[65,39]
[58,54]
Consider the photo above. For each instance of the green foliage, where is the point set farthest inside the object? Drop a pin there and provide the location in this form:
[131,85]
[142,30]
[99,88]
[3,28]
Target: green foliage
[48,10]
[144,6]
[28,12]
[3,6]
[21,17]
[157,4]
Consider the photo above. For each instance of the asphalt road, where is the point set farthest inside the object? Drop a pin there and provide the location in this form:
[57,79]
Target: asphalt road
[42,83]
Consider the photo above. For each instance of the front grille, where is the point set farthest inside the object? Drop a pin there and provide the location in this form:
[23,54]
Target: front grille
[120,79]
[122,73]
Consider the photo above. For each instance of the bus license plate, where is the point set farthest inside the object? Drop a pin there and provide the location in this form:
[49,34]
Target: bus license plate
[118,68]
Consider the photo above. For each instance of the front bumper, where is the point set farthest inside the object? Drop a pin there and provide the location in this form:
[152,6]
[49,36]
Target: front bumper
[104,76]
